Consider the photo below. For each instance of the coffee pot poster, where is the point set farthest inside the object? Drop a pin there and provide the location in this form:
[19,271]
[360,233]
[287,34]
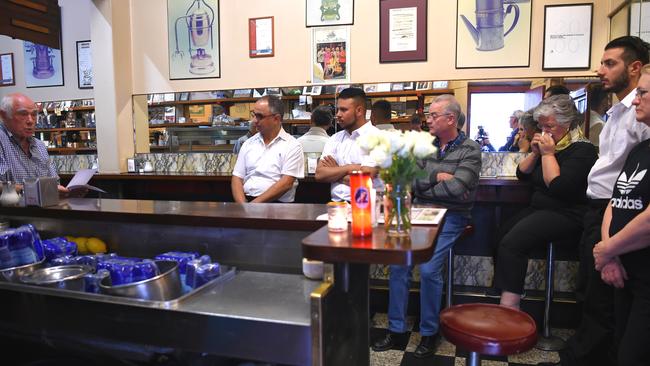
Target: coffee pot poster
[493,33]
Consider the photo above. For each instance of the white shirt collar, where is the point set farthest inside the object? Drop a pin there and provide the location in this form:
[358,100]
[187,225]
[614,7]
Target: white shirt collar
[281,135]
[626,102]
[361,130]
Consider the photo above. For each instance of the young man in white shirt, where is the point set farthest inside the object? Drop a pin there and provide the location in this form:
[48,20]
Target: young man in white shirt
[619,72]
[270,162]
[341,153]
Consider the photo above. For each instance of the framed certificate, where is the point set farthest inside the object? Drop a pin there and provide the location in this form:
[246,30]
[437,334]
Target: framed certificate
[567,36]
[260,37]
[402,30]
[84,65]
[7,77]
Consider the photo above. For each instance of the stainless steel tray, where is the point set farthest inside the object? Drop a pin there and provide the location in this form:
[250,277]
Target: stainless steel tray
[227,273]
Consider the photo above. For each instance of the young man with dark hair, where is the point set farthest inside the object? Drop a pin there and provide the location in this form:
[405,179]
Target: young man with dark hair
[619,72]
[341,153]
[380,115]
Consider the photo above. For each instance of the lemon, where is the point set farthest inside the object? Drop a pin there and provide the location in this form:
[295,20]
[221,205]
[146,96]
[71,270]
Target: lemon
[82,246]
[96,245]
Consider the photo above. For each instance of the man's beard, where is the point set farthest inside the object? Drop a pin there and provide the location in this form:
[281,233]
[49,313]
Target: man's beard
[618,85]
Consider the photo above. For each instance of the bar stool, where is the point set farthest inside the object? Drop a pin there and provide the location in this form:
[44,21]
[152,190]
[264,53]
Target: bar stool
[488,329]
[547,341]
[469,229]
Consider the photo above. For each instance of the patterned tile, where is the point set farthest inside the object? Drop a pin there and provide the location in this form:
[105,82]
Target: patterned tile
[479,271]
[500,164]
[72,163]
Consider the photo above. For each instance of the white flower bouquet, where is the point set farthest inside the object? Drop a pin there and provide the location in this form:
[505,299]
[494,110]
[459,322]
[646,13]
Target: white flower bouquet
[395,153]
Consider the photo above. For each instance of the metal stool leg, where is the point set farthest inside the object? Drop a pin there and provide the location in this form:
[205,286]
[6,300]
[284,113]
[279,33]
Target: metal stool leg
[546,341]
[450,277]
[473,359]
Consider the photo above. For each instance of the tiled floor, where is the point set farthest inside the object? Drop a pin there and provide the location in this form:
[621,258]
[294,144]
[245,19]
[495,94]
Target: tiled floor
[446,353]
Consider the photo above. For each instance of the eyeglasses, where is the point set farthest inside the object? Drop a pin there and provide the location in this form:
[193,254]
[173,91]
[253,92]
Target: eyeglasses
[23,113]
[435,115]
[640,92]
[260,116]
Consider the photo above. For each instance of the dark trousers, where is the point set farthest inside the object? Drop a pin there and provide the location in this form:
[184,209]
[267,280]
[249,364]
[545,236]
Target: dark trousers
[528,230]
[593,340]
[632,305]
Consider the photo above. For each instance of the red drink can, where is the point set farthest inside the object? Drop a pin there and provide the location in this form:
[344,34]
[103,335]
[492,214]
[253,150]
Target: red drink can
[360,185]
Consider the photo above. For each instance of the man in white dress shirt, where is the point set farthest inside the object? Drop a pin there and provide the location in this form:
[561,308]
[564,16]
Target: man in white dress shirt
[341,153]
[270,162]
[313,141]
[619,72]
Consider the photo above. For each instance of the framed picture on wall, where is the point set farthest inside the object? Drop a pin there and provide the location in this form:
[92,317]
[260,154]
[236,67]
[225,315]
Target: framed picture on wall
[320,13]
[84,65]
[567,36]
[193,44]
[260,37]
[402,30]
[639,22]
[7,76]
[501,40]
[43,65]
[330,55]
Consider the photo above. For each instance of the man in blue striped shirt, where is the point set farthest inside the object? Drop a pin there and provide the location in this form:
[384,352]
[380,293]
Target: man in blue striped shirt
[22,156]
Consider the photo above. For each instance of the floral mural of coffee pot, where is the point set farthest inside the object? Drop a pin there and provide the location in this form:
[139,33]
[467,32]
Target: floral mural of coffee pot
[490,14]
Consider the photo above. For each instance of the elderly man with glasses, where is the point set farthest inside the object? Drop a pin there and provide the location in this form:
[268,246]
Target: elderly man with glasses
[22,156]
[451,182]
[270,162]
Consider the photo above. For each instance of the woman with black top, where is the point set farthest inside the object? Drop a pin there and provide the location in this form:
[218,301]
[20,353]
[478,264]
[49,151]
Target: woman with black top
[557,168]
[623,255]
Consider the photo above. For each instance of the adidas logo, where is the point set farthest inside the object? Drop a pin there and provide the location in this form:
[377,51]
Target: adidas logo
[625,185]
[627,203]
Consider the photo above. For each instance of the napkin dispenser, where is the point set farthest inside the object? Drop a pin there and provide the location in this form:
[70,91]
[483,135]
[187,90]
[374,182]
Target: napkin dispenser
[42,191]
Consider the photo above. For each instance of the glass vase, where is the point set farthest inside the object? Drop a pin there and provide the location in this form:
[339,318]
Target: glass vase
[397,210]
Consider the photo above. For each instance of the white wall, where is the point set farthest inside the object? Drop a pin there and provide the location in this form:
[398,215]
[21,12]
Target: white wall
[75,27]
[290,66]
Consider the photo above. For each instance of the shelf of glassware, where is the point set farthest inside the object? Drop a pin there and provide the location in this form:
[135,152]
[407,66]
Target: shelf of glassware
[404,93]
[67,150]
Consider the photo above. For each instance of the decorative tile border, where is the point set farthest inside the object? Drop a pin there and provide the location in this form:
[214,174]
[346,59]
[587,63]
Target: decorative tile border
[494,164]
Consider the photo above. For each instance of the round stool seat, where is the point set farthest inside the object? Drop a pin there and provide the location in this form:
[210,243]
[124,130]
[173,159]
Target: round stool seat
[488,329]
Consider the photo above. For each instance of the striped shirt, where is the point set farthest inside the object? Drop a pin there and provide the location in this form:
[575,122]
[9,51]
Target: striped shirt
[460,158]
[16,166]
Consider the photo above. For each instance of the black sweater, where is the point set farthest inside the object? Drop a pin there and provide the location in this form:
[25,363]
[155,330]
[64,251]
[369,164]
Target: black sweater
[568,190]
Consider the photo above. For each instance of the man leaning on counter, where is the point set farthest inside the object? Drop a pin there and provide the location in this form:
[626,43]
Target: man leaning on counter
[22,156]
[270,162]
